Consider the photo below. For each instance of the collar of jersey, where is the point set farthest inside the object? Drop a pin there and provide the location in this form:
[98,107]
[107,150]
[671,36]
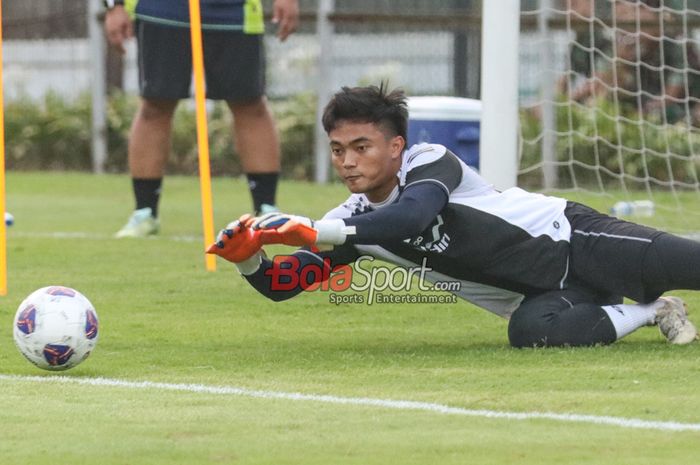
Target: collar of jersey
[389,200]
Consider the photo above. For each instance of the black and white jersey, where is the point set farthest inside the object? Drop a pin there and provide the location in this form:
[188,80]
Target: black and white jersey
[499,244]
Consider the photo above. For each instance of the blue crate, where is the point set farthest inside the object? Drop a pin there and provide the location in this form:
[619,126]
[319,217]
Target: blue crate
[450,121]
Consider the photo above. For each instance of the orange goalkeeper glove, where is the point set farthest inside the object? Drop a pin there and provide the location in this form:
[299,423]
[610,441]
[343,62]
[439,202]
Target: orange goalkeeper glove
[237,243]
[281,228]
[290,233]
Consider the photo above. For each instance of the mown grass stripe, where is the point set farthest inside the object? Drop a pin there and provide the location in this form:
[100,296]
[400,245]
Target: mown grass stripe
[98,236]
[363,401]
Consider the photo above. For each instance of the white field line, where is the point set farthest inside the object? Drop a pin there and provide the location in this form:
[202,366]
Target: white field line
[362,401]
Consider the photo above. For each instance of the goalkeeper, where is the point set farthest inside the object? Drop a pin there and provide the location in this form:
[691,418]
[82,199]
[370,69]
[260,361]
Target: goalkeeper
[557,270]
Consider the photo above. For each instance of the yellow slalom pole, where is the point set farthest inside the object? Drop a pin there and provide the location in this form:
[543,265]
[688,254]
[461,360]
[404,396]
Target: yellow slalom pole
[3,227]
[202,131]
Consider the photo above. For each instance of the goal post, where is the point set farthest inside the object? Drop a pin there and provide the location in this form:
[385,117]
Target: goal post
[499,92]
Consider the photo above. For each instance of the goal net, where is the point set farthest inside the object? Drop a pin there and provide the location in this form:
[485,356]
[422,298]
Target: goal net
[610,104]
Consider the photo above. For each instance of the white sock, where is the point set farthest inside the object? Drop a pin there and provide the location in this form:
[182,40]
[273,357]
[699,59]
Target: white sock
[627,318]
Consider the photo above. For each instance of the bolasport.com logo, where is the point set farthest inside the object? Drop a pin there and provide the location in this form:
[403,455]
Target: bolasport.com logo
[368,284]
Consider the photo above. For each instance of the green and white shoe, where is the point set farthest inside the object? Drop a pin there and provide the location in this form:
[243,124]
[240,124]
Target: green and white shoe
[140,224]
[267,208]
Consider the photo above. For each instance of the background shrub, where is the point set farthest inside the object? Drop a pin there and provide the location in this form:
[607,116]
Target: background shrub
[55,134]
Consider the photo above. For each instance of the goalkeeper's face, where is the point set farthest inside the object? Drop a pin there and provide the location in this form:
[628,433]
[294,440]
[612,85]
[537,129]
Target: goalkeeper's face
[366,159]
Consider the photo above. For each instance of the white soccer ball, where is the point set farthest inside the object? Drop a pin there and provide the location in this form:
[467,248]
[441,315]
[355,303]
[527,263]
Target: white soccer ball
[56,328]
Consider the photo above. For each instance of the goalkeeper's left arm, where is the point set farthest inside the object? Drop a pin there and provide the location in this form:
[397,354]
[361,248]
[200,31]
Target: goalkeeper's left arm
[414,210]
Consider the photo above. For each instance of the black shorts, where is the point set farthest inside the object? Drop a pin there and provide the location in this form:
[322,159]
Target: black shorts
[610,255]
[234,63]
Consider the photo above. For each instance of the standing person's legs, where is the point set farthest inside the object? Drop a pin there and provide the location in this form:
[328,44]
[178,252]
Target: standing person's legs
[149,147]
[257,143]
[235,67]
[164,78]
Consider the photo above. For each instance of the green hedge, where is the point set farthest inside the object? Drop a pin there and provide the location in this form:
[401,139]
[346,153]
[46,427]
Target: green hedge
[614,139]
[55,134]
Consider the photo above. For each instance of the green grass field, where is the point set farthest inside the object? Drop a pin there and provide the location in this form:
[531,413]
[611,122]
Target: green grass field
[165,319]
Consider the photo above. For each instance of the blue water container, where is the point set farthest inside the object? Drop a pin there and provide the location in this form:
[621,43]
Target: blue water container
[450,121]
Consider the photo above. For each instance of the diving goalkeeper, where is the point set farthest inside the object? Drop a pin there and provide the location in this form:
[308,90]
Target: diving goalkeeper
[557,270]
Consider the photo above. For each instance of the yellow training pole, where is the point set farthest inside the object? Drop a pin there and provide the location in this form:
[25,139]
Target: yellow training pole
[202,132]
[3,227]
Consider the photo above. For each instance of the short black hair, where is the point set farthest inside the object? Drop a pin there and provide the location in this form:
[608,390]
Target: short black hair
[370,104]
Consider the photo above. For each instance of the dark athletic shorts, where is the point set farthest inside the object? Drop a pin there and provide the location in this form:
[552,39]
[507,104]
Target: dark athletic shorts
[234,63]
[610,255]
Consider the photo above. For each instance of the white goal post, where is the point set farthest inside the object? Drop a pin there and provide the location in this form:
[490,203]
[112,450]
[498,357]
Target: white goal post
[498,158]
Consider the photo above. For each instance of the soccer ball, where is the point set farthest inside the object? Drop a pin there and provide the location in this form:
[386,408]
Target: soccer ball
[56,328]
